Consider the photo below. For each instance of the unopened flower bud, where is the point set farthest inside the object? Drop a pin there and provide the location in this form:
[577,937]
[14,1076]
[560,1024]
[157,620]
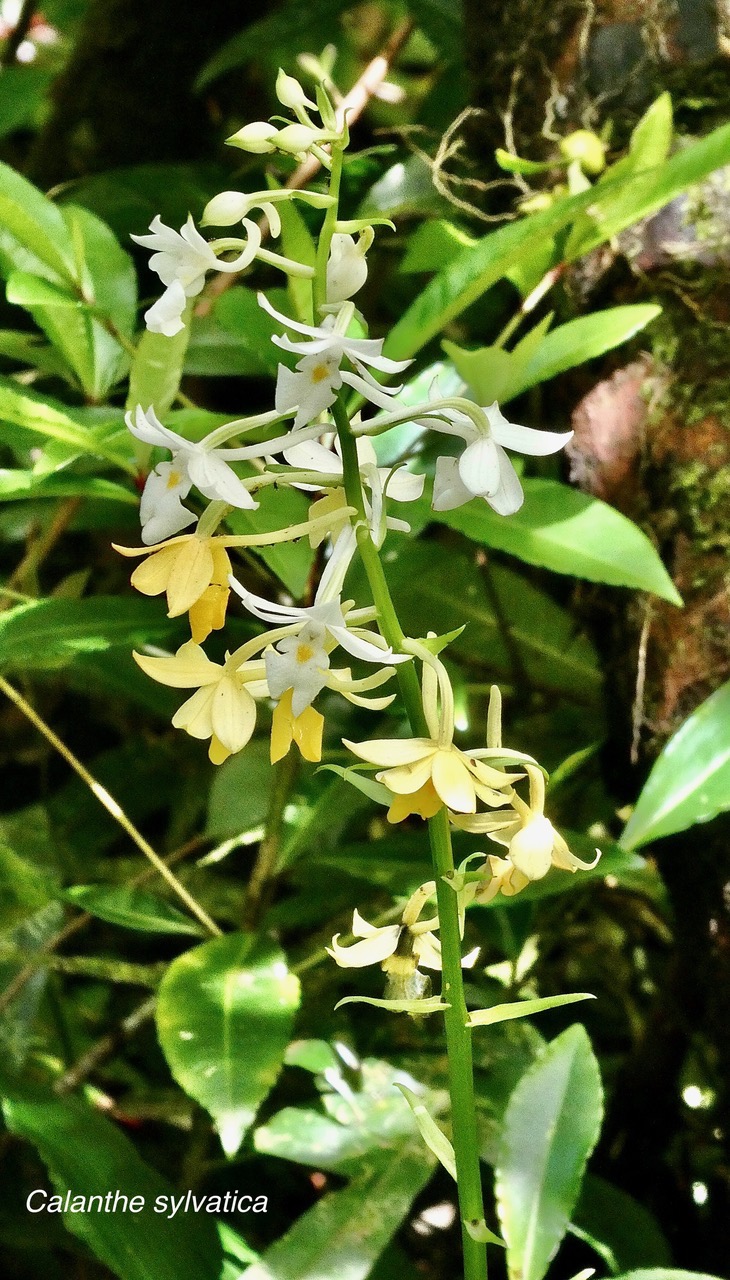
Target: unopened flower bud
[290,93]
[296,138]
[257,137]
[225,209]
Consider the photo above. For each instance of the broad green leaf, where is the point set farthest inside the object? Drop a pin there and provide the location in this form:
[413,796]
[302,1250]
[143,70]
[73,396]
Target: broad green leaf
[404,189]
[452,588]
[353,1126]
[15,485]
[495,374]
[618,1227]
[46,634]
[290,561]
[105,269]
[24,890]
[613,207]
[88,1155]
[316,1056]
[131,908]
[341,1237]
[570,532]
[157,367]
[224,1017]
[26,290]
[522,1009]
[550,1127]
[42,416]
[239,796]
[690,782]
[32,230]
[235,337]
[297,243]
[30,349]
[432,245]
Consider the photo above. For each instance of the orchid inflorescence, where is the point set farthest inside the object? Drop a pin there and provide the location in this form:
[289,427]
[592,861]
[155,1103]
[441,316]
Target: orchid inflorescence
[301,443]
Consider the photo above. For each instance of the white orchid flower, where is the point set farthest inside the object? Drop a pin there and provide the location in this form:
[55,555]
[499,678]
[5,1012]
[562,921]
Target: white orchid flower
[394,947]
[301,663]
[200,464]
[484,469]
[312,387]
[327,611]
[399,484]
[347,268]
[181,260]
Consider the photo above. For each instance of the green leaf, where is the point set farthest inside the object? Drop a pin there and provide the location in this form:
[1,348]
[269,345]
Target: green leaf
[356,1125]
[239,796]
[561,529]
[566,347]
[87,1155]
[522,1009]
[342,1236]
[26,290]
[290,561]
[297,243]
[131,908]
[33,233]
[433,244]
[404,189]
[316,1056]
[157,367]
[434,1137]
[24,889]
[63,483]
[618,1227]
[234,339]
[22,92]
[613,207]
[551,1125]
[43,417]
[224,1017]
[366,786]
[453,587]
[46,634]
[690,782]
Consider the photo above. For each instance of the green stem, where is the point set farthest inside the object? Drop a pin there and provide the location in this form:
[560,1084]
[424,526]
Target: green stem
[458,1036]
[319,284]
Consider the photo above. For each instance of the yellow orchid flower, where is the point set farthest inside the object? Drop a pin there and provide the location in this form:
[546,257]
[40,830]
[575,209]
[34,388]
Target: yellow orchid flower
[533,845]
[193,572]
[223,707]
[426,773]
[305,730]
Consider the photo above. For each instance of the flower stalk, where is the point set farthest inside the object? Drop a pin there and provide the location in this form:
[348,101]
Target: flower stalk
[458,1036]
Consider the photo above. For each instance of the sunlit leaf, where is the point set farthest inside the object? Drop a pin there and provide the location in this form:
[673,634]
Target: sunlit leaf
[570,532]
[690,782]
[522,1009]
[550,1127]
[224,1017]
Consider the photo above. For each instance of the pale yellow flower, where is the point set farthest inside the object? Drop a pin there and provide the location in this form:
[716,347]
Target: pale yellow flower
[305,730]
[457,777]
[223,707]
[533,845]
[193,572]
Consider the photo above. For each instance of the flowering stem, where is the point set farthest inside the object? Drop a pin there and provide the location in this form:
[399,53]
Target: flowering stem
[458,1037]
